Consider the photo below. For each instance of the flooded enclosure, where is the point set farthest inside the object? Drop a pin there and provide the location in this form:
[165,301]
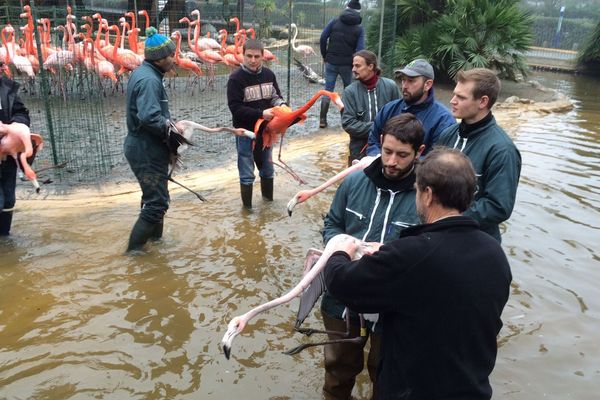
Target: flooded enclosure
[80,320]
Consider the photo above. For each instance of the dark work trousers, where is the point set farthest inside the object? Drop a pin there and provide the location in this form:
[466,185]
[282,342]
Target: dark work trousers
[8,182]
[358,149]
[344,361]
[149,162]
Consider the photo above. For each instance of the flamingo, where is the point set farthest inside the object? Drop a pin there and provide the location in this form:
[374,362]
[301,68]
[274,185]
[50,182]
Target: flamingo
[228,59]
[237,324]
[283,118]
[304,195]
[185,63]
[190,126]
[302,49]
[16,141]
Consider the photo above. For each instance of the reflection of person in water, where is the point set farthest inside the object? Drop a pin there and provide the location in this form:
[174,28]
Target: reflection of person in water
[12,110]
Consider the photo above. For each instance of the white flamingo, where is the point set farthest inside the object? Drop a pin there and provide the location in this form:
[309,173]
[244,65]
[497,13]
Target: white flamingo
[303,49]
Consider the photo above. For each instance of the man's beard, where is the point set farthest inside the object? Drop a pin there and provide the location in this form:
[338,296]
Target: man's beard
[414,97]
[399,174]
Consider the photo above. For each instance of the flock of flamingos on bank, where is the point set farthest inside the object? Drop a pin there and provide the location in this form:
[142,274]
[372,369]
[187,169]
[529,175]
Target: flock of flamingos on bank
[89,46]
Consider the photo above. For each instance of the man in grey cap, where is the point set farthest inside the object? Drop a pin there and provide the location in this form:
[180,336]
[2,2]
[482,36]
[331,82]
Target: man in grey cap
[417,98]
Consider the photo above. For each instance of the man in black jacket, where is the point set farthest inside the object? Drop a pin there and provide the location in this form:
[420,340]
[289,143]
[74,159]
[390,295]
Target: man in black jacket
[341,38]
[12,110]
[252,92]
[440,290]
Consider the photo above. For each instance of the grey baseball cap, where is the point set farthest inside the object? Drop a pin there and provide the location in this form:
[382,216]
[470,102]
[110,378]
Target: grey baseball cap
[418,67]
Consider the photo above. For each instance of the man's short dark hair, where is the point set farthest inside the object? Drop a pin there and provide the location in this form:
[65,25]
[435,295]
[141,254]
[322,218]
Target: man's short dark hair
[450,175]
[405,128]
[253,44]
[486,83]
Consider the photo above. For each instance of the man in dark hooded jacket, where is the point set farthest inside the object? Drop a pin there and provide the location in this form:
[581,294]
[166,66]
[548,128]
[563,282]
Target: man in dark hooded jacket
[342,37]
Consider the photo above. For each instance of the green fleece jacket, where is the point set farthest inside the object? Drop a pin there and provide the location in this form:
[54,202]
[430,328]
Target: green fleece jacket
[371,208]
[497,164]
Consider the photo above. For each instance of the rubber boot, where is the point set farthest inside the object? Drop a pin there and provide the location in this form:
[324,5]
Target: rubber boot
[246,191]
[5,222]
[324,109]
[141,232]
[158,231]
[266,188]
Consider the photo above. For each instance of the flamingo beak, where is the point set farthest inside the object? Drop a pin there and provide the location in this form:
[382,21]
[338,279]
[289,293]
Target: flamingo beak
[339,104]
[227,351]
[291,204]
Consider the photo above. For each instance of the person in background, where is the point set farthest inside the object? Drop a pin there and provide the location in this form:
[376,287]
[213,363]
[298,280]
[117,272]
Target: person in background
[252,92]
[375,204]
[340,39]
[417,98]
[440,290]
[12,110]
[363,99]
[495,157]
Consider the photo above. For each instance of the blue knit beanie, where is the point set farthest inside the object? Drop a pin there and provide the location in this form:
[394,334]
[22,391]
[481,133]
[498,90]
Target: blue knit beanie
[157,46]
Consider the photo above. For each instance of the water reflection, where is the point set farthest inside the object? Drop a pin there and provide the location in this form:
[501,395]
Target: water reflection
[80,320]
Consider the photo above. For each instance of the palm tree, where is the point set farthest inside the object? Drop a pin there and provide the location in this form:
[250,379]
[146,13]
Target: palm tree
[589,56]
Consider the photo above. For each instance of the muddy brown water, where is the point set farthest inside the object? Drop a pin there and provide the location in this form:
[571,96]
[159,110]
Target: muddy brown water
[79,320]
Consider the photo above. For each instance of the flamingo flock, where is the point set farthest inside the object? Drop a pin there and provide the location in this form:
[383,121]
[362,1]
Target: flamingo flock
[111,52]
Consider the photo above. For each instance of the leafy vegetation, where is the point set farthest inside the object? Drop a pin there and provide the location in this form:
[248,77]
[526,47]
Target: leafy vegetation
[461,34]
[589,57]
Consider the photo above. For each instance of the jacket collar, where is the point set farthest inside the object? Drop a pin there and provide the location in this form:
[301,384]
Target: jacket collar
[465,130]
[441,225]
[247,70]
[375,173]
[155,68]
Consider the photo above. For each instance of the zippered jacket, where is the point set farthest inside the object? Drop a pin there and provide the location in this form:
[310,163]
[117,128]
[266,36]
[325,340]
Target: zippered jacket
[497,164]
[361,106]
[371,208]
[342,37]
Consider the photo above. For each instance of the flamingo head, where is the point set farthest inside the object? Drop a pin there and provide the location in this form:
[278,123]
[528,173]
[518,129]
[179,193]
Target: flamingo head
[176,35]
[291,204]
[184,20]
[234,328]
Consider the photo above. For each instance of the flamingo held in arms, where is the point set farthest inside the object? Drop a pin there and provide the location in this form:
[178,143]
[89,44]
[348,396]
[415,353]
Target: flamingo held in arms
[237,324]
[16,141]
[304,195]
[283,118]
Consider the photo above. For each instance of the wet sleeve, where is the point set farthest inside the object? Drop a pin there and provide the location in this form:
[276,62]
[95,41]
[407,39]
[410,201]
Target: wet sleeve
[277,98]
[351,120]
[335,222]
[370,284]
[149,110]
[20,113]
[443,121]
[360,44]
[501,179]
[235,101]
[325,37]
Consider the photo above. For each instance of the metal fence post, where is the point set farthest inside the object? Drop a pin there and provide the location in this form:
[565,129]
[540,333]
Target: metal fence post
[44,86]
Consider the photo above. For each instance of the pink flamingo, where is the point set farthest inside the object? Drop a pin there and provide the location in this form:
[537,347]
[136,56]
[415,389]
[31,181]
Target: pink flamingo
[185,63]
[301,49]
[267,55]
[16,141]
[304,195]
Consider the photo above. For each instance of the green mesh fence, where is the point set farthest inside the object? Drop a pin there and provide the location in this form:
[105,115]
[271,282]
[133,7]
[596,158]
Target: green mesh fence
[82,117]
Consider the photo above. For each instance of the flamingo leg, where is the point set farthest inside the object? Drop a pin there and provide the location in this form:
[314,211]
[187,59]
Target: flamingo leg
[345,336]
[286,167]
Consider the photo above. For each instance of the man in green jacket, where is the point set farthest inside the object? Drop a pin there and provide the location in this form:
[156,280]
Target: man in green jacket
[373,205]
[363,99]
[146,149]
[495,157]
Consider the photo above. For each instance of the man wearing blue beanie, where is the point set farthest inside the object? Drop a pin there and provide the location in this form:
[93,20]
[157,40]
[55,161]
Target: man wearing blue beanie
[146,149]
